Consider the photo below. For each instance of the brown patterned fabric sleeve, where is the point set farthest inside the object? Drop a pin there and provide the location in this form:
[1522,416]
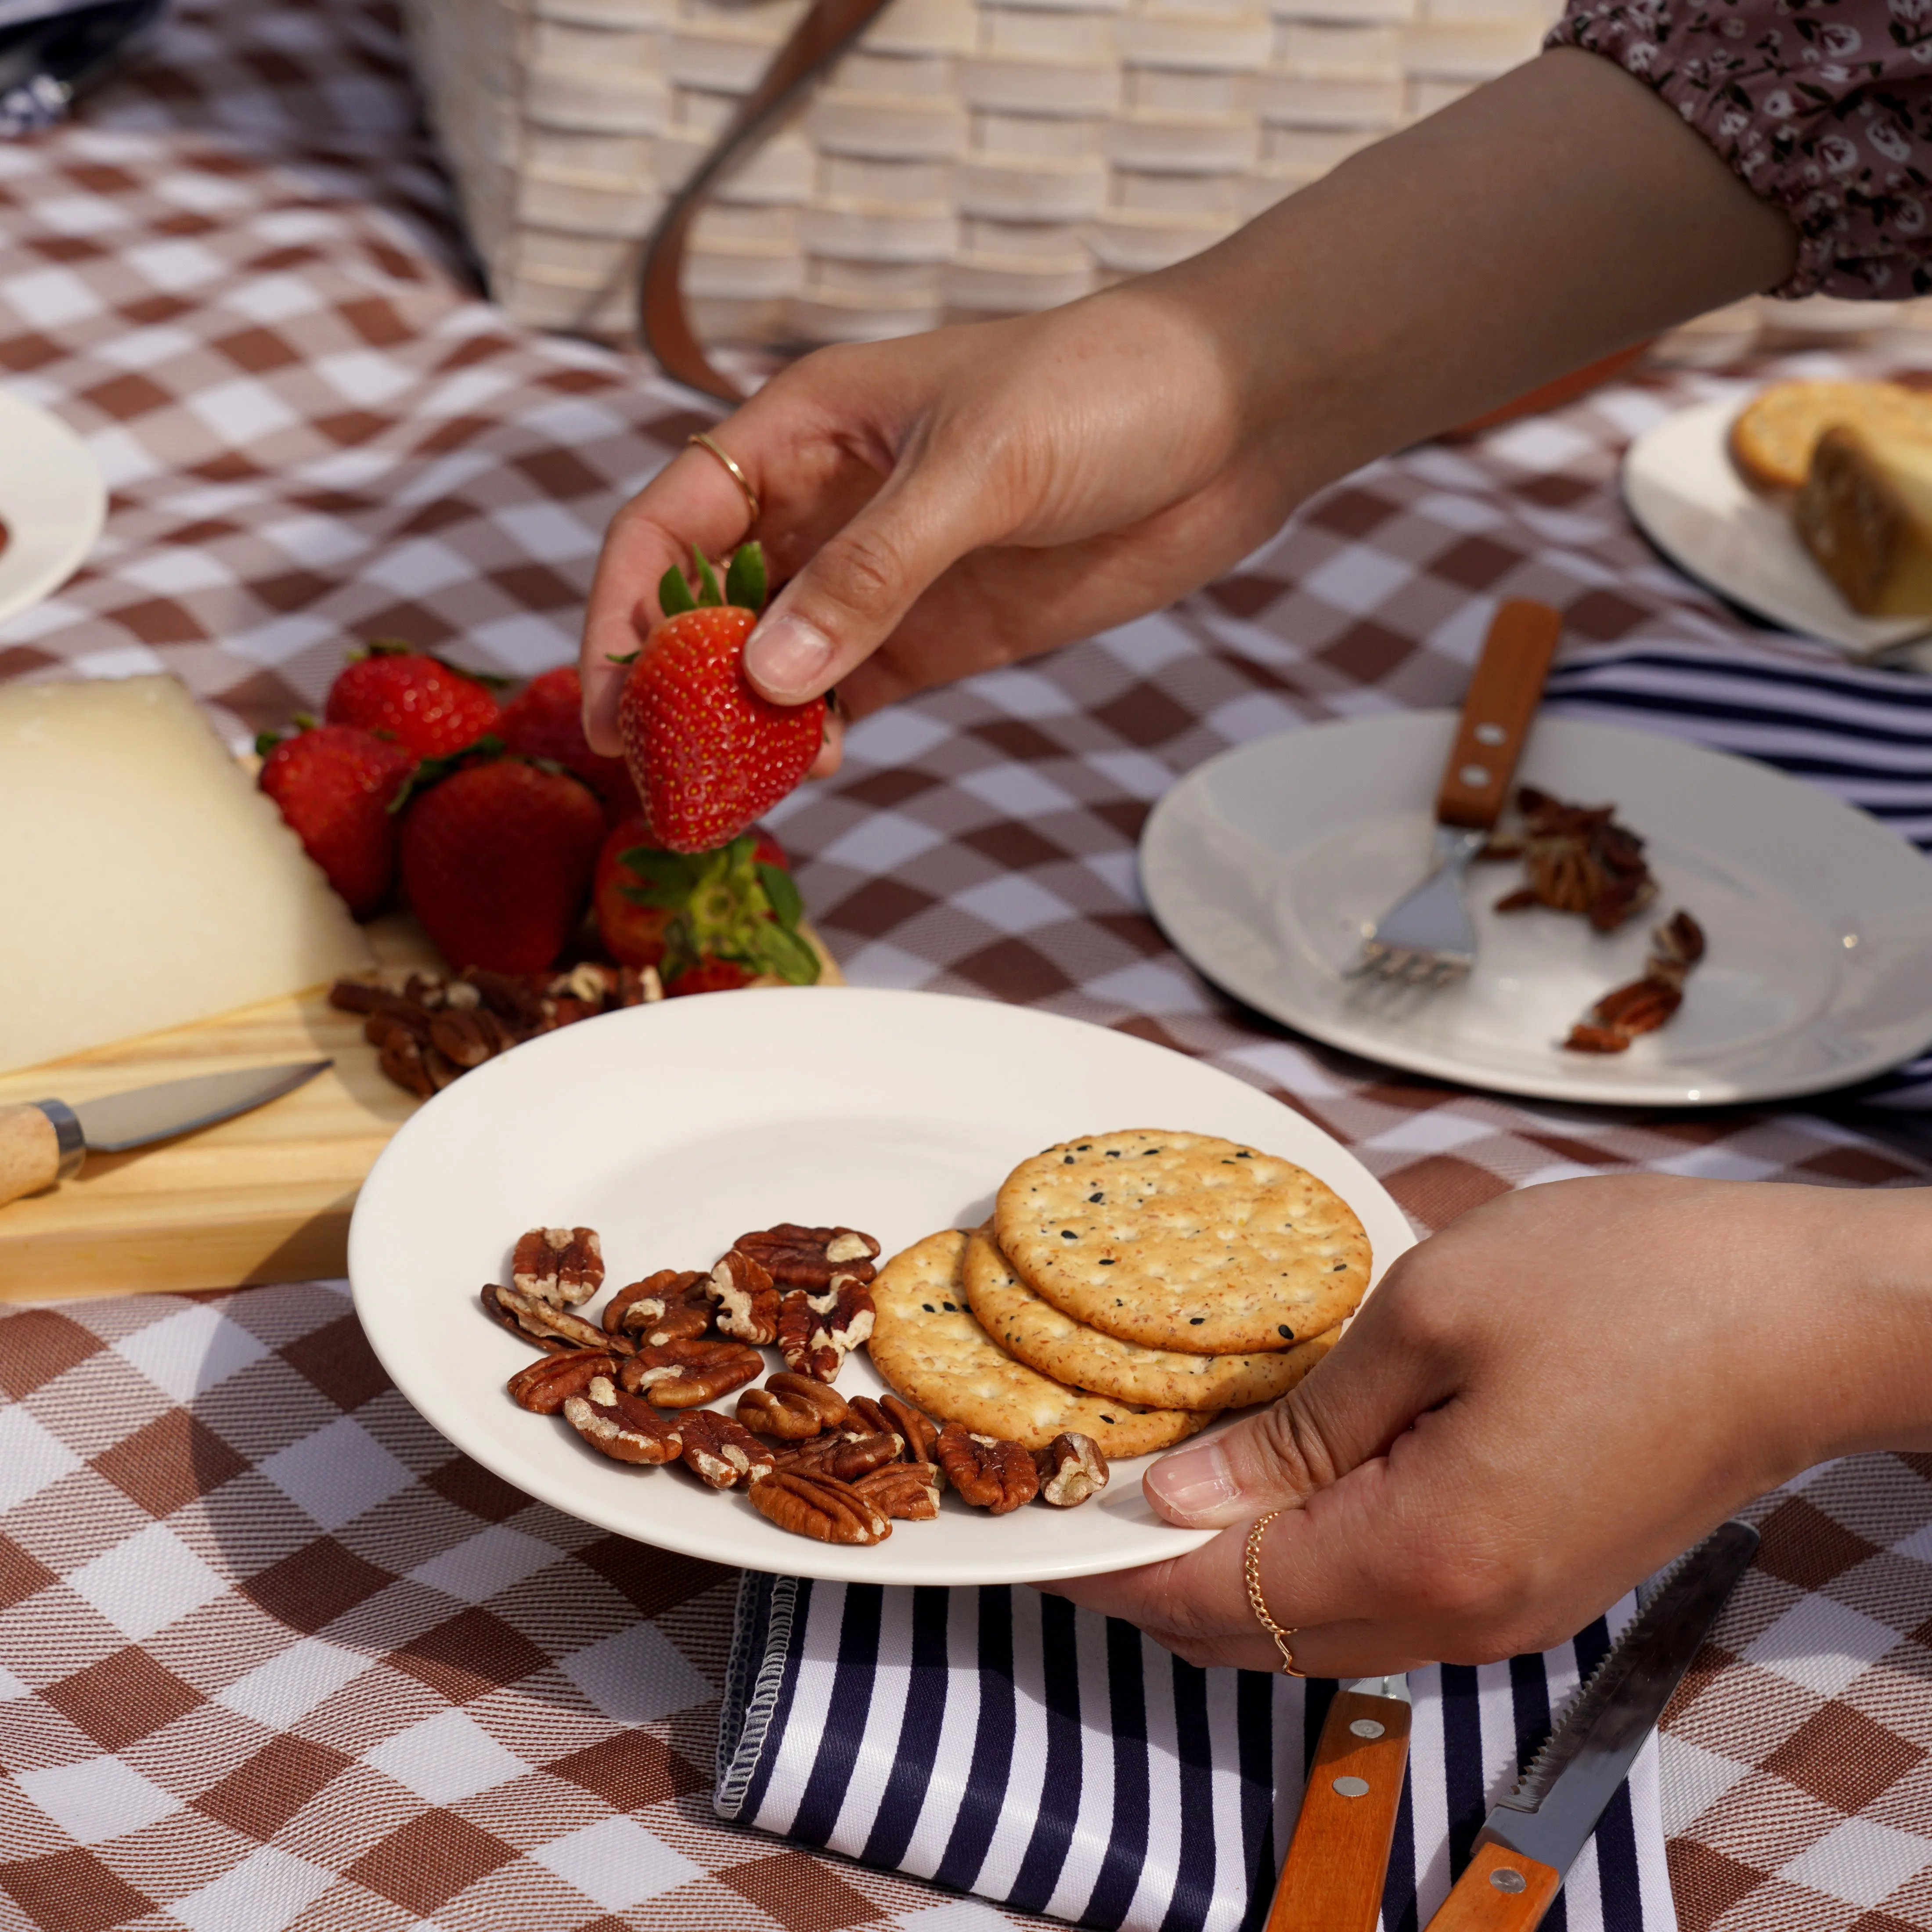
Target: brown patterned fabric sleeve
[1824,107]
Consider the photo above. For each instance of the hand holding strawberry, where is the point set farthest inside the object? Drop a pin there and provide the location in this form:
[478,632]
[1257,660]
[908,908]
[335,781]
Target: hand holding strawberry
[708,753]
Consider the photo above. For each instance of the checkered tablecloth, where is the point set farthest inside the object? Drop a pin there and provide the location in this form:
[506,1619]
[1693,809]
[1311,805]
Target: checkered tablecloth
[270,1655]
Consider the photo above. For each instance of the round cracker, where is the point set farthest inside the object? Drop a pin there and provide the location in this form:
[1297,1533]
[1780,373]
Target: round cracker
[926,1343]
[1028,1326]
[1772,437]
[1183,1241]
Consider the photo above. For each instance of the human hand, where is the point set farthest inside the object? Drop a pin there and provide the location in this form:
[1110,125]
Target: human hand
[954,501]
[1535,1409]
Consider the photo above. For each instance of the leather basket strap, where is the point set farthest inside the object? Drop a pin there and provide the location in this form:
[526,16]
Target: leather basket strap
[826,32]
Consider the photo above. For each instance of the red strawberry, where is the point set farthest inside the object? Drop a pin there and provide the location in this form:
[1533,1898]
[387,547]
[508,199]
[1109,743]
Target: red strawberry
[545,720]
[426,706]
[633,935]
[708,975]
[335,784]
[707,752]
[496,860]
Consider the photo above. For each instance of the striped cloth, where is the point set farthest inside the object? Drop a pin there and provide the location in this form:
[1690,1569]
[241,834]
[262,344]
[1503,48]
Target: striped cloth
[1863,734]
[1002,1742]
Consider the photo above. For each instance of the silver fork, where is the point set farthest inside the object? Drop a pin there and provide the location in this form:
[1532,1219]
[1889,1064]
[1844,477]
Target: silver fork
[1425,938]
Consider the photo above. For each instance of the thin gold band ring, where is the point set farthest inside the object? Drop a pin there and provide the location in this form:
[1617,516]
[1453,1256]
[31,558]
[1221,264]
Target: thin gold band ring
[1251,1569]
[738,476]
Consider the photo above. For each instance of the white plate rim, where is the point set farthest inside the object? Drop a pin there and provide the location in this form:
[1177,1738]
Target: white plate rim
[1753,566]
[1158,869]
[53,526]
[393,1187]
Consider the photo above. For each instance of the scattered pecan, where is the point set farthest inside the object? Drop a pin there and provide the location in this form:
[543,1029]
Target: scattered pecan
[550,1381]
[544,1323]
[908,1492]
[1071,1468]
[845,1456]
[989,1473]
[804,1340]
[667,1306]
[1627,1012]
[401,1058]
[467,1039]
[1584,1038]
[560,1264]
[817,1507]
[1641,1007]
[1677,946]
[748,1303]
[868,1417]
[355,996]
[723,1453]
[625,1427]
[792,1408]
[687,1374]
[1577,859]
[919,1432]
[515,997]
[801,1257]
[637,987]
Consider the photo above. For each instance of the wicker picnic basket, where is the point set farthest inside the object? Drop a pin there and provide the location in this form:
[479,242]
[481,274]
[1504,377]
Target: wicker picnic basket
[963,157]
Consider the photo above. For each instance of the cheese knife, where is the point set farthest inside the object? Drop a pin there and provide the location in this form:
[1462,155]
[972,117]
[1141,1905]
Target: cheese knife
[44,1141]
[1533,1836]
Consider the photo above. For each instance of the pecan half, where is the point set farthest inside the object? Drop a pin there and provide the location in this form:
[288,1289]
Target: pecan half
[1641,1007]
[686,1375]
[670,1306]
[1071,1468]
[846,1457]
[804,1340]
[801,1257]
[908,1492]
[748,1303]
[919,1432]
[418,1069]
[625,1427]
[466,1039]
[1584,1038]
[1679,939]
[868,1417]
[989,1473]
[514,997]
[721,1452]
[792,1408]
[548,1326]
[817,1507]
[559,1265]
[550,1381]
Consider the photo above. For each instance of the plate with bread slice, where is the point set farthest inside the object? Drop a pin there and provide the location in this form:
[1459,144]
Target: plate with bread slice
[1809,504]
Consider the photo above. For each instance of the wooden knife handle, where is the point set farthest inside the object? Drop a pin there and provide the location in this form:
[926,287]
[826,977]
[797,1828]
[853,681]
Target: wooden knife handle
[1494,725]
[30,1152]
[1331,1880]
[1479,1903]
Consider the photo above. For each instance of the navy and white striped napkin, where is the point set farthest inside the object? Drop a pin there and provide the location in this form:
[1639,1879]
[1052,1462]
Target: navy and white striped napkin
[1862,732]
[1001,1742]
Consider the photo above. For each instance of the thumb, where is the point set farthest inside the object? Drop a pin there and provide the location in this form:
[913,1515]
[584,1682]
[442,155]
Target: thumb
[849,599]
[1351,1405]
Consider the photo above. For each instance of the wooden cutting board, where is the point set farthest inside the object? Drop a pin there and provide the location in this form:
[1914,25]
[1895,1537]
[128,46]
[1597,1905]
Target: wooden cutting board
[264,1197]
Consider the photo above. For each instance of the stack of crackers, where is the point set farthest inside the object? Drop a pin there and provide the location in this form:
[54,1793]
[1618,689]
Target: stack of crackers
[1129,1287]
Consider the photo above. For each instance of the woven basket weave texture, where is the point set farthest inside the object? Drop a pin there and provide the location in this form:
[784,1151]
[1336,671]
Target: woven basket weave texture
[967,157]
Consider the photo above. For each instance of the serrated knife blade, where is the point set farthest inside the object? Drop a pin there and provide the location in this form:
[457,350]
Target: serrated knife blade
[1533,1836]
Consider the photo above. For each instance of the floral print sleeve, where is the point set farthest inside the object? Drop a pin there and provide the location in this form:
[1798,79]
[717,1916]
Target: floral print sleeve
[1824,107]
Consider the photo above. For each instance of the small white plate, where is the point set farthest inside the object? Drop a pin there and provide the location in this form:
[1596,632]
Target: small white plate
[51,501]
[1685,493]
[673,1129]
[1267,866]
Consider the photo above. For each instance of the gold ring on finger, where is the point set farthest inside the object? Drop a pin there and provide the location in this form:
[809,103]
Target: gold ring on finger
[1251,1568]
[738,476]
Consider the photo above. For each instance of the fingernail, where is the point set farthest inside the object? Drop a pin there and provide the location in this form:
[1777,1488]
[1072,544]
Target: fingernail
[1194,1482]
[788,656]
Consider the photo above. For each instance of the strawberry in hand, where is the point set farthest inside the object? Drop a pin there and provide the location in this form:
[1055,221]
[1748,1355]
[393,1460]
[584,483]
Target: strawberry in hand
[335,785]
[428,706]
[708,753]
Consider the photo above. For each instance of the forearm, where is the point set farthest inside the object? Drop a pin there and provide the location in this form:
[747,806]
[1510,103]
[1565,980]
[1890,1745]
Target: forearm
[1559,214]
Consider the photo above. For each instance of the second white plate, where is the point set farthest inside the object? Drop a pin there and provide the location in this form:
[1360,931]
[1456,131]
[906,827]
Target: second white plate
[1268,864]
[52,503]
[673,1129]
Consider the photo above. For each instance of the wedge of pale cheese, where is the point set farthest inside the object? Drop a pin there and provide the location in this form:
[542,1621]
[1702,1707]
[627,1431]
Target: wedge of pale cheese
[144,881]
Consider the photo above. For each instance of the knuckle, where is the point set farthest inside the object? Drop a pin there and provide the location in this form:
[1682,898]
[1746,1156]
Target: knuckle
[861,571]
[1292,1441]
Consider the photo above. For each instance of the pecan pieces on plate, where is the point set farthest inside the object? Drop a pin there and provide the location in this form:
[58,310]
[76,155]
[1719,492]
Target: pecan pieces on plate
[988,1473]
[1627,1012]
[817,1507]
[560,1264]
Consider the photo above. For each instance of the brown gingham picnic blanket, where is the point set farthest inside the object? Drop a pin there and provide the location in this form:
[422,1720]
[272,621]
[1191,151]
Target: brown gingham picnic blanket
[270,1655]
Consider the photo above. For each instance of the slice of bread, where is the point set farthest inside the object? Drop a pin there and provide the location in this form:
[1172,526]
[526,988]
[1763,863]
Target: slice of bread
[1774,436]
[1865,515]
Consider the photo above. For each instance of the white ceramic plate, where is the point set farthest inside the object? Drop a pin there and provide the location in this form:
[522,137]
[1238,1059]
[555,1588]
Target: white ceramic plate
[1268,864]
[51,501]
[673,1129]
[1684,492]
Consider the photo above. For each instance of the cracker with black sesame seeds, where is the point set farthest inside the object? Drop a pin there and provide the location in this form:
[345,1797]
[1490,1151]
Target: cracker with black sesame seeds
[1183,1241]
[927,1344]
[1028,1327]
